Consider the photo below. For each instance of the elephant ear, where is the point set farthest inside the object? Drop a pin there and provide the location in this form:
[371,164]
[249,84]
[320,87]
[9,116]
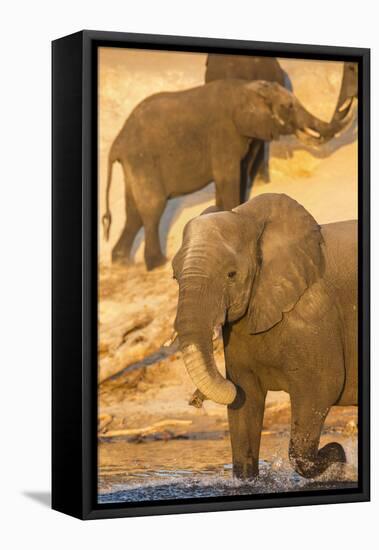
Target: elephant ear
[290,258]
[256,118]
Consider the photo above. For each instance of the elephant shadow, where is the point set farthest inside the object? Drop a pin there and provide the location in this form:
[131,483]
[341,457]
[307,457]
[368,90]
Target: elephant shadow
[174,209]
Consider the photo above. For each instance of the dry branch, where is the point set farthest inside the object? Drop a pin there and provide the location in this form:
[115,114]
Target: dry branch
[146,429]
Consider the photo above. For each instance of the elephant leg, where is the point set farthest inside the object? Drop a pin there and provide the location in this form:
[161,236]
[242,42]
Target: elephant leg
[228,191]
[151,217]
[259,161]
[226,160]
[249,168]
[121,250]
[264,168]
[308,416]
[245,422]
[219,202]
[245,179]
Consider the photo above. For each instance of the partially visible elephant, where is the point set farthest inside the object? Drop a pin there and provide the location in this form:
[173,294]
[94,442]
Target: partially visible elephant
[348,91]
[175,143]
[245,67]
[284,290]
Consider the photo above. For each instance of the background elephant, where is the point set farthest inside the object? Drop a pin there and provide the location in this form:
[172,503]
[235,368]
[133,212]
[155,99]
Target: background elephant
[176,143]
[349,90]
[219,67]
[245,67]
[284,290]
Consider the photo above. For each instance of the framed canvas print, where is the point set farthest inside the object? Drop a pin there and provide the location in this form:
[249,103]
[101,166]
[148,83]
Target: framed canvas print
[210,275]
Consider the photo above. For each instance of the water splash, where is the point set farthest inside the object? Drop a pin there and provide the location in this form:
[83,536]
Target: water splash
[276,477]
[177,469]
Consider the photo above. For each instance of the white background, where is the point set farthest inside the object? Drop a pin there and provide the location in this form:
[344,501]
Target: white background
[27,29]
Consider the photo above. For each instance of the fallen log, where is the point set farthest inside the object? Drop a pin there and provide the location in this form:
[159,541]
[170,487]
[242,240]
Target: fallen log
[146,429]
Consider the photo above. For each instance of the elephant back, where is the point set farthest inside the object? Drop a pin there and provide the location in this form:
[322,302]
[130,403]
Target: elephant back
[221,67]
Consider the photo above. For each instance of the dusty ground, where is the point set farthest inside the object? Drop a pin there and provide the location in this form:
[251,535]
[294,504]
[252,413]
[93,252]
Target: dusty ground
[144,387]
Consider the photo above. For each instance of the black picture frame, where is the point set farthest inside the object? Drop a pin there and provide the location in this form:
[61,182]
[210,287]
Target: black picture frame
[74,273]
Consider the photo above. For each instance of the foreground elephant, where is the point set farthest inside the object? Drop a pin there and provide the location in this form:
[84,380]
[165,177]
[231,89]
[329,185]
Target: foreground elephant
[248,67]
[284,290]
[175,143]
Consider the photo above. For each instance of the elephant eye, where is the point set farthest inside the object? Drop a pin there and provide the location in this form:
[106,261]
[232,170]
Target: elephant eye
[232,274]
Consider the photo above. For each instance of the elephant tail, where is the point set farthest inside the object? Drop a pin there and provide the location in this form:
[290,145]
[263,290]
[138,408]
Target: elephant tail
[107,217]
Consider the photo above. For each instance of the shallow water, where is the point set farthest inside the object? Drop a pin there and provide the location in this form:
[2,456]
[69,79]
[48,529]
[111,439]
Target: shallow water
[192,468]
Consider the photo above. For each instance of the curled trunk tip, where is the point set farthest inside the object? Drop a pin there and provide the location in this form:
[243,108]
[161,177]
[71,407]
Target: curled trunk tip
[202,369]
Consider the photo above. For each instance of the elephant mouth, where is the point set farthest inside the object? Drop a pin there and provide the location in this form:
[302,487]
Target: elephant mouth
[173,340]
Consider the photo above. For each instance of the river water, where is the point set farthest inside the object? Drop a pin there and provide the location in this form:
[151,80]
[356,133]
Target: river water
[192,468]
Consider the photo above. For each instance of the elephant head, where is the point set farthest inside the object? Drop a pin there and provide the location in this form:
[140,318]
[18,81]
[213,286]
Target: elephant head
[268,110]
[255,261]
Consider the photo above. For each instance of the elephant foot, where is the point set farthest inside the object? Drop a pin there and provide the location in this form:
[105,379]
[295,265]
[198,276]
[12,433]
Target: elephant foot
[120,258]
[334,452]
[245,471]
[264,177]
[329,454]
[152,262]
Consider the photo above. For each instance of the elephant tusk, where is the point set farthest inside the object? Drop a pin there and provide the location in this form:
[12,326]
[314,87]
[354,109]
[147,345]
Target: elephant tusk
[345,105]
[280,120]
[171,340]
[312,133]
[216,332]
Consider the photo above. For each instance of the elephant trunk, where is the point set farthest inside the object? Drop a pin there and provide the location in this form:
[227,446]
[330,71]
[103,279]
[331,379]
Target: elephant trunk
[349,90]
[195,332]
[202,369]
[314,131]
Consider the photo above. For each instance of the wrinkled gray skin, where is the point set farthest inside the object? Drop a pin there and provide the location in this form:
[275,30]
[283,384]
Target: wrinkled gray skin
[284,290]
[220,67]
[175,143]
